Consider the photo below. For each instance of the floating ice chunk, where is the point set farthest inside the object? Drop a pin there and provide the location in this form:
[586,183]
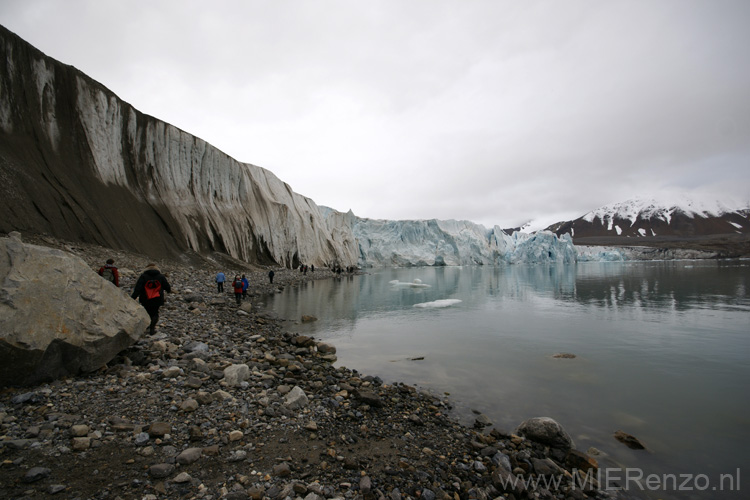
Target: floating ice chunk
[435,304]
[417,283]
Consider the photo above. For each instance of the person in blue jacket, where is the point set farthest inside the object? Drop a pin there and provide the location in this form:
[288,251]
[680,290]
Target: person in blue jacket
[220,279]
[245,284]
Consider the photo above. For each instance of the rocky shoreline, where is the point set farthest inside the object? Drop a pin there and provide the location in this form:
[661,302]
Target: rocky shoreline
[222,402]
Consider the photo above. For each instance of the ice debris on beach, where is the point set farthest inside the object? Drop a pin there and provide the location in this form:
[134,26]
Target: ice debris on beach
[436,304]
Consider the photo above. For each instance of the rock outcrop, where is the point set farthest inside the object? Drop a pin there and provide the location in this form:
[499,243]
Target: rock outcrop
[57,316]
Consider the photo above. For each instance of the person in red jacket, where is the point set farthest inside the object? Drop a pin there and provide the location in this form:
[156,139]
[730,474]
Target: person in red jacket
[109,272]
[237,285]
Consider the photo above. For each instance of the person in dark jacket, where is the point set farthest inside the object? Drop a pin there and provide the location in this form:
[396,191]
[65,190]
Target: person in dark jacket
[151,277]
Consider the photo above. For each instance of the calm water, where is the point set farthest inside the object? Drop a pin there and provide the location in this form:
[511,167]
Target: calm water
[662,351]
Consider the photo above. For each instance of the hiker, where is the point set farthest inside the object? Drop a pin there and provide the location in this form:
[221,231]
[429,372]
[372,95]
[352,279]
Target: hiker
[245,284]
[149,290]
[220,279]
[312,268]
[109,272]
[237,285]
[270,276]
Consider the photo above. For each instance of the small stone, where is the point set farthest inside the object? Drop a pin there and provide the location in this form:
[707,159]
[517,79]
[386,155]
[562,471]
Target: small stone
[563,355]
[55,489]
[212,450]
[81,443]
[141,439]
[311,426]
[296,398]
[171,372]
[189,405]
[236,436]
[193,382]
[365,485]
[282,470]
[182,477]
[236,374]
[79,430]
[189,456]
[369,398]
[256,492]
[237,455]
[308,319]
[629,441]
[160,471]
[195,433]
[482,421]
[35,474]
[324,348]
[159,429]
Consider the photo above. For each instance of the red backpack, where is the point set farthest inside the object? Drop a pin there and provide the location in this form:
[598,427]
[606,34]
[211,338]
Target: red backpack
[153,289]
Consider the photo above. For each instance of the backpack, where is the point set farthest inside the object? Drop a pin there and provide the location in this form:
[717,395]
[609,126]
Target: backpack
[153,289]
[108,274]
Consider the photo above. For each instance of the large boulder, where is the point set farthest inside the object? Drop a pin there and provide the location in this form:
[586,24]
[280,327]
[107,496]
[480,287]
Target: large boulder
[546,431]
[57,316]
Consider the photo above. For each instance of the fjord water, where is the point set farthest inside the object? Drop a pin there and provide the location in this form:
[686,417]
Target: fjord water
[661,351]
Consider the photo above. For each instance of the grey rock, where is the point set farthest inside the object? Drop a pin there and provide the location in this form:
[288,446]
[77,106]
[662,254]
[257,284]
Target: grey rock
[546,431]
[55,489]
[160,471]
[546,467]
[482,421]
[159,429]
[189,456]
[182,477]
[296,399]
[365,485]
[282,470]
[369,398]
[502,460]
[236,374]
[324,348]
[36,474]
[141,439]
[82,324]
[428,494]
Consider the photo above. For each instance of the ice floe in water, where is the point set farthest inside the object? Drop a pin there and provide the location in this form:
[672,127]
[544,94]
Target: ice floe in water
[417,283]
[438,303]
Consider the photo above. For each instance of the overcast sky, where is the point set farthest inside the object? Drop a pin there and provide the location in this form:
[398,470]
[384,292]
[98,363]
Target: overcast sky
[492,111]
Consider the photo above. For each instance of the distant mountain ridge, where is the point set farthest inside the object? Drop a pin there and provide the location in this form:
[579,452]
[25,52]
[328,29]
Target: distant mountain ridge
[645,217]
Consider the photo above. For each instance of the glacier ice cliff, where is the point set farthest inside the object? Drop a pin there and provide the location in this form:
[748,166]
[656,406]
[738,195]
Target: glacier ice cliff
[387,243]
[79,163]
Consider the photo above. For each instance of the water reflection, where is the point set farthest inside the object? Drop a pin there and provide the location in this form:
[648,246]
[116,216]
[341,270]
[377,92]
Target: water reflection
[675,286]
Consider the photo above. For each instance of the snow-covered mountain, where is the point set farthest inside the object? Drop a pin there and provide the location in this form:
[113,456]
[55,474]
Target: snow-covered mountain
[644,217]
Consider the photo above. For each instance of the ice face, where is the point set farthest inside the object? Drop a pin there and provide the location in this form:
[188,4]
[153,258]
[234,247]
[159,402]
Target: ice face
[384,243]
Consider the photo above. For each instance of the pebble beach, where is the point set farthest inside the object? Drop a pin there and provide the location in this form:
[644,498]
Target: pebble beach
[228,402]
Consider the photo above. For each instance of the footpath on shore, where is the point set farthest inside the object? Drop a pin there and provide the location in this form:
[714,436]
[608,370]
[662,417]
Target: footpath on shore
[222,402]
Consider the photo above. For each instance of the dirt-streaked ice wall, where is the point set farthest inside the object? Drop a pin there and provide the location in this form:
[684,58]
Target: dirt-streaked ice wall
[79,163]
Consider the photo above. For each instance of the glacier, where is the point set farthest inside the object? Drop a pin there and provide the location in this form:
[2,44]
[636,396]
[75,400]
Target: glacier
[389,243]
